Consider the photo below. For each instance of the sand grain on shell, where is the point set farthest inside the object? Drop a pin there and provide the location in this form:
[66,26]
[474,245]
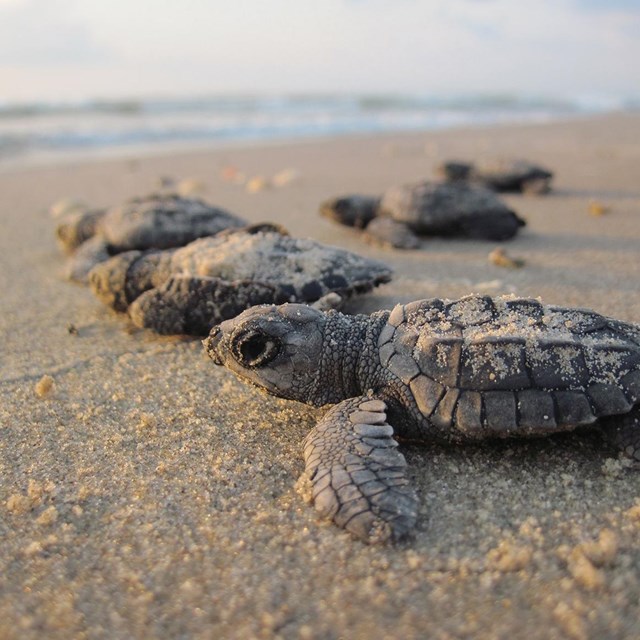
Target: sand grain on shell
[269,257]
[559,337]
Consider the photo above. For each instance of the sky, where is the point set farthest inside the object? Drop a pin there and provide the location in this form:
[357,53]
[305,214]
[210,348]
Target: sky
[68,50]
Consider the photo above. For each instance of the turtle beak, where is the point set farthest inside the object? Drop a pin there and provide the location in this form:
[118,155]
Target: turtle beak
[211,344]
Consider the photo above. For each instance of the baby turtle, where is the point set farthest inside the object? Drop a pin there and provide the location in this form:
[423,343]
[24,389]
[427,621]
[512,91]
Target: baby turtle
[157,221]
[188,290]
[500,175]
[455,371]
[426,208]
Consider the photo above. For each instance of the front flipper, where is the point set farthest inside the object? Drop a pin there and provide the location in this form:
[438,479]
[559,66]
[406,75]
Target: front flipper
[185,304]
[329,301]
[358,476]
[387,231]
[623,432]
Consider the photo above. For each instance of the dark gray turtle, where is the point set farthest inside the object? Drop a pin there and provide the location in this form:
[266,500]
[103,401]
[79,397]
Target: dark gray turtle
[454,371]
[188,290]
[155,221]
[500,175]
[426,208]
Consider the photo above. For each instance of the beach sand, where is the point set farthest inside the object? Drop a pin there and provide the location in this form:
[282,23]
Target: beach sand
[146,493]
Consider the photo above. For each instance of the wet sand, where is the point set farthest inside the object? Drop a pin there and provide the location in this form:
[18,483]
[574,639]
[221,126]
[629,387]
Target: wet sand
[145,493]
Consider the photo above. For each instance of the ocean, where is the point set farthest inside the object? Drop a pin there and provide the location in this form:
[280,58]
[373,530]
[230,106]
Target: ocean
[51,131]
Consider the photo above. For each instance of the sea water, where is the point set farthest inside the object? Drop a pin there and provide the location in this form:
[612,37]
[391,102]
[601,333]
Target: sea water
[102,127]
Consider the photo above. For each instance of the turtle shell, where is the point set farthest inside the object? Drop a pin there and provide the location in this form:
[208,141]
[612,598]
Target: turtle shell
[510,175]
[162,221]
[485,367]
[441,208]
[304,268]
[212,279]
[500,174]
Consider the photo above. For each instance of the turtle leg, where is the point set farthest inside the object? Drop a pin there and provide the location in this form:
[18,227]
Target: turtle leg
[87,256]
[494,225]
[387,231]
[185,304]
[623,432]
[117,282]
[331,300]
[358,477]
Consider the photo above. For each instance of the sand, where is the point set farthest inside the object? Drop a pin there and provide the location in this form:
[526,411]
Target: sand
[146,493]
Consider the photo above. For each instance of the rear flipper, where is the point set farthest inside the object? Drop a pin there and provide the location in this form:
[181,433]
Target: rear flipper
[495,225]
[358,476]
[184,304]
[623,432]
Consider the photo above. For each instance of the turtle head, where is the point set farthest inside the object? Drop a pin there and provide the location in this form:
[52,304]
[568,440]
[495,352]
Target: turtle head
[352,211]
[277,348]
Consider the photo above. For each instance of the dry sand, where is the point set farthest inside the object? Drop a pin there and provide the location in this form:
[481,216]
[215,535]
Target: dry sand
[146,493]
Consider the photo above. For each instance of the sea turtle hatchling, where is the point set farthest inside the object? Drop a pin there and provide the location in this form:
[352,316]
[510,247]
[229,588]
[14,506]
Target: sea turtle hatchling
[426,209]
[455,371]
[188,290]
[502,175]
[155,221]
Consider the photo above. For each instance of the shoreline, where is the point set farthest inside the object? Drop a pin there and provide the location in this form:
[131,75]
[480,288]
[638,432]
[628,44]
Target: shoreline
[43,159]
[147,493]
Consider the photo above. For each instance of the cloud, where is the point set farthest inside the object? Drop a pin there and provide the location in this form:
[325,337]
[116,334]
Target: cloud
[33,33]
[131,47]
[609,5]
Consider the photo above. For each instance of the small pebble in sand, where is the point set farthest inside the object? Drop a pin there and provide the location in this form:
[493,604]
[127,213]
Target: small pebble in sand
[507,557]
[18,504]
[634,513]
[33,549]
[191,187]
[285,177]
[36,547]
[37,490]
[501,258]
[232,174]
[583,571]
[602,551]
[570,621]
[148,422]
[44,386]
[47,517]
[256,184]
[597,208]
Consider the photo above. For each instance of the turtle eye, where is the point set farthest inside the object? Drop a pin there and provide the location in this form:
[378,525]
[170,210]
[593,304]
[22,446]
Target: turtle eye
[255,349]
